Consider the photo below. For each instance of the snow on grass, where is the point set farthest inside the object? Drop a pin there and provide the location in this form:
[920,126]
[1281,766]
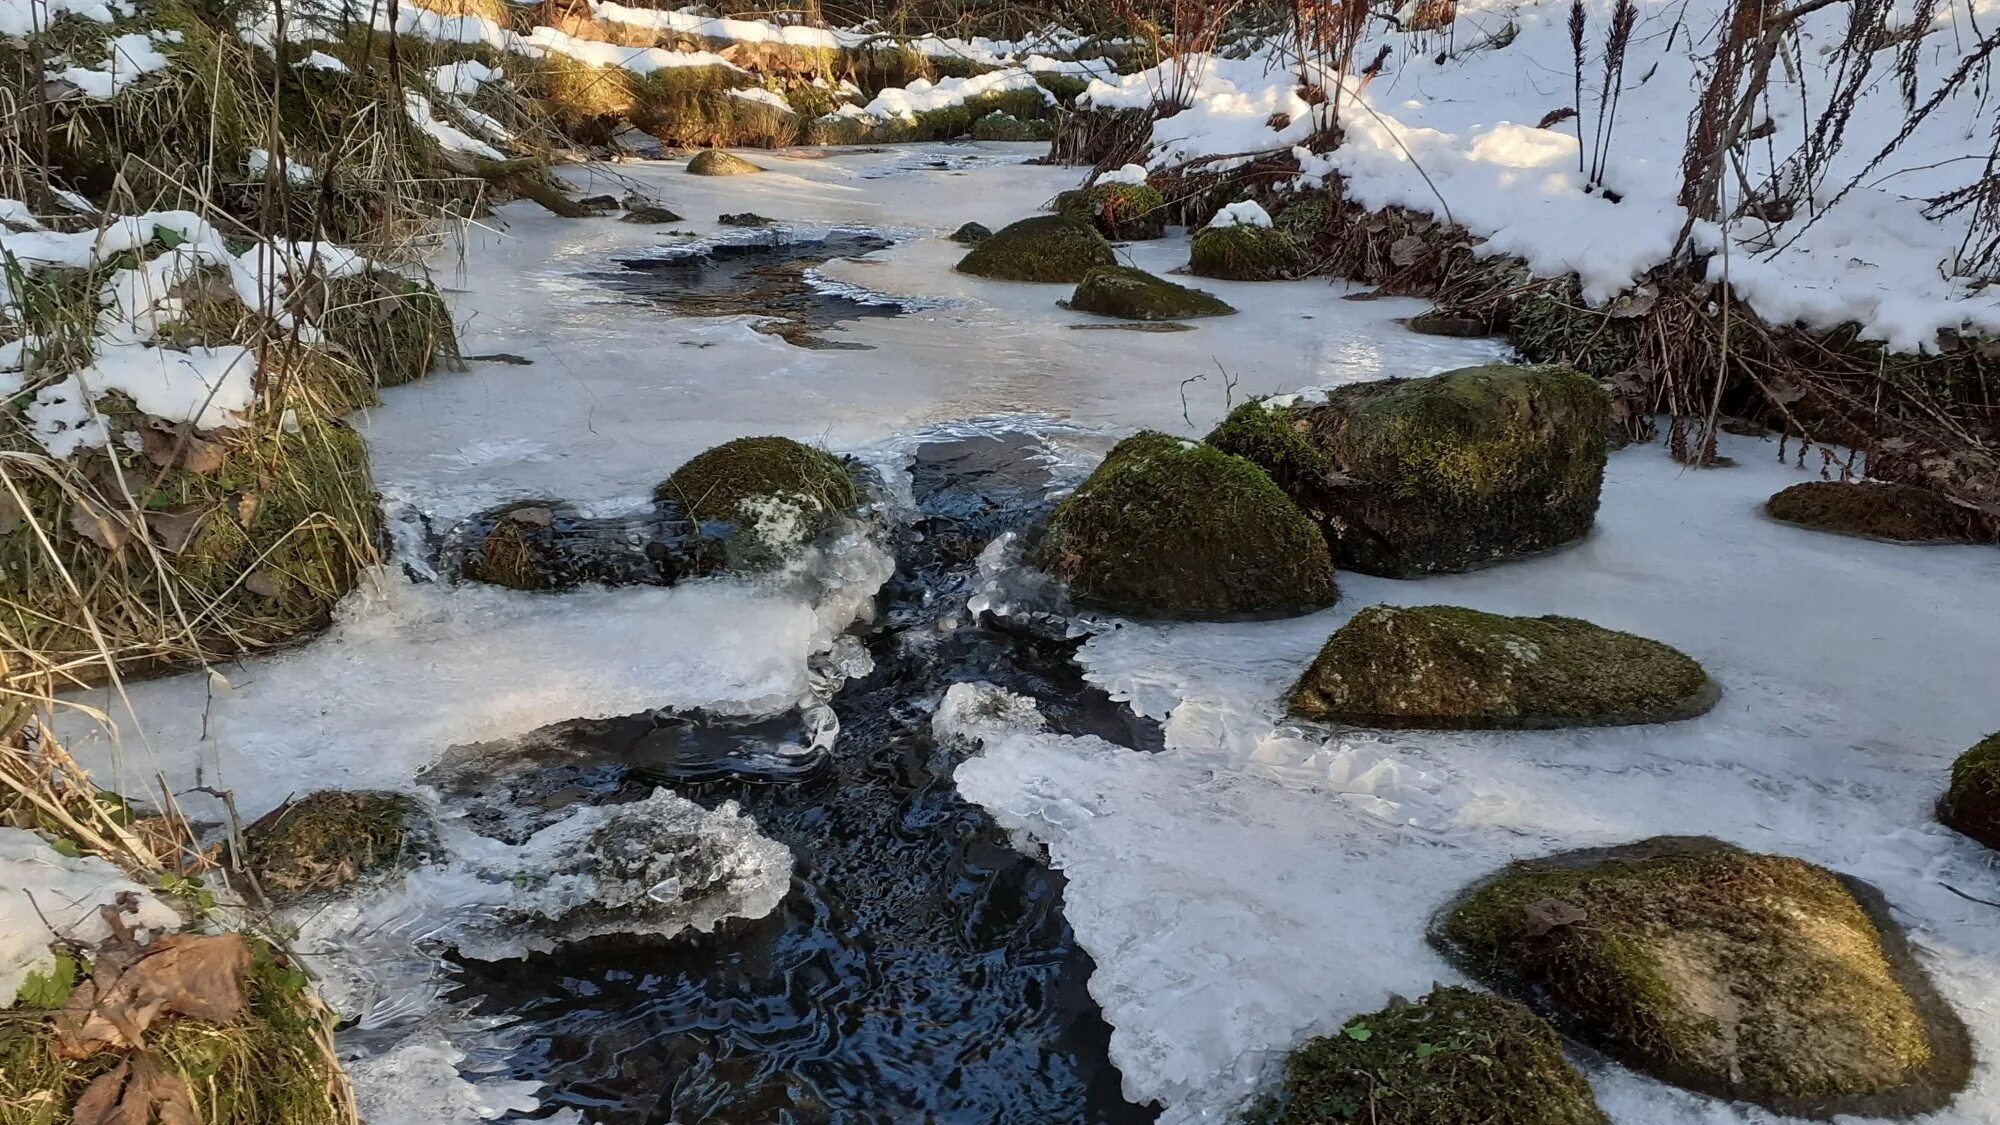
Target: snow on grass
[638,60]
[1246,213]
[1134,174]
[21,18]
[449,136]
[464,78]
[763,97]
[46,896]
[128,58]
[923,96]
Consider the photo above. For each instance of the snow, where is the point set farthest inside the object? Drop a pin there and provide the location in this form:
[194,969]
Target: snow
[1244,214]
[21,18]
[258,162]
[447,135]
[1134,174]
[464,78]
[638,60]
[130,57]
[320,60]
[923,95]
[209,387]
[763,97]
[45,896]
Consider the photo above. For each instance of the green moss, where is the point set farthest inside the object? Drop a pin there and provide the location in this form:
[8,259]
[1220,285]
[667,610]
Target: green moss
[971,234]
[1134,294]
[518,555]
[1065,87]
[1756,977]
[1443,473]
[693,106]
[1246,253]
[327,840]
[1122,212]
[730,480]
[1447,667]
[835,129]
[999,126]
[1972,803]
[394,328]
[1456,1057]
[715,162]
[1173,528]
[1304,218]
[1045,248]
[1875,509]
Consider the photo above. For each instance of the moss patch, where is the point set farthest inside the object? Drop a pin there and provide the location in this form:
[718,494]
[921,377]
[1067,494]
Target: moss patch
[394,328]
[1756,977]
[717,484]
[1447,667]
[999,126]
[1972,804]
[519,553]
[1246,253]
[1457,1057]
[326,840]
[1173,528]
[1044,248]
[716,162]
[1134,294]
[1121,212]
[1874,509]
[1441,474]
[971,234]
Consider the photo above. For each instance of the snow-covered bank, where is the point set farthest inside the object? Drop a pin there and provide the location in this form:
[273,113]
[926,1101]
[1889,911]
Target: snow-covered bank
[1260,881]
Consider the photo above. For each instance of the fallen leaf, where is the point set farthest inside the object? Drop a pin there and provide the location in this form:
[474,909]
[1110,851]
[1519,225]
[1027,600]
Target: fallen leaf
[1406,250]
[10,513]
[1555,117]
[172,528]
[99,525]
[200,977]
[172,446]
[138,1092]
[1546,914]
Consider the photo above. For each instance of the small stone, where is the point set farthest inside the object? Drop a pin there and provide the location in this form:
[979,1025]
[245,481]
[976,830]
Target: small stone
[716,162]
[1972,803]
[971,234]
[650,213]
[1439,324]
[1134,294]
[599,202]
[744,219]
[1875,510]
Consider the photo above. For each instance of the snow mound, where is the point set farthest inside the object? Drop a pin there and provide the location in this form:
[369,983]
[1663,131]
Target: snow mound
[46,896]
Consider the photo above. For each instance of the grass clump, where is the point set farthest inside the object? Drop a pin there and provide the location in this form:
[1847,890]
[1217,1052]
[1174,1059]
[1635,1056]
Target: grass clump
[715,162]
[394,328]
[1756,977]
[1438,474]
[1048,248]
[1455,1057]
[1874,509]
[327,840]
[1247,253]
[1003,126]
[1972,803]
[1121,212]
[1178,529]
[1448,667]
[1134,294]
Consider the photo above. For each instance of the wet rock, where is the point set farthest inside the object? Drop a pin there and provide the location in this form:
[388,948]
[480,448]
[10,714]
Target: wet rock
[1044,248]
[1756,977]
[1874,509]
[1972,804]
[1454,1057]
[778,493]
[645,211]
[541,545]
[716,162]
[1442,324]
[599,202]
[1178,529]
[1122,212]
[327,840]
[1452,668]
[519,552]
[744,219]
[971,234]
[1439,474]
[1134,294]
[1247,253]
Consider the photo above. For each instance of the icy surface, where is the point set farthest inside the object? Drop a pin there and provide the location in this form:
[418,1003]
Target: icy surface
[1262,880]
[46,896]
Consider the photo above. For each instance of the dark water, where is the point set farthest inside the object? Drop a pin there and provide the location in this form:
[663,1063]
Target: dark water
[763,277]
[920,969]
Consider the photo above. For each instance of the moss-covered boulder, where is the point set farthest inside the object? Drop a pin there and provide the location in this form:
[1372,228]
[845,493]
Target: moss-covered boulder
[326,840]
[1454,1058]
[971,234]
[1440,474]
[1972,803]
[1178,529]
[717,162]
[778,494]
[1875,509]
[1451,668]
[1756,977]
[1134,294]
[1044,248]
[1123,212]
[1245,252]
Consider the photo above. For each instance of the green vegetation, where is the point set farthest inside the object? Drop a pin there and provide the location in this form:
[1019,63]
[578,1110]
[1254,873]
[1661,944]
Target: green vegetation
[1000,126]
[1134,294]
[1876,509]
[1120,212]
[327,840]
[1456,1057]
[1247,253]
[390,326]
[1174,528]
[1447,667]
[689,106]
[717,484]
[1972,803]
[1045,248]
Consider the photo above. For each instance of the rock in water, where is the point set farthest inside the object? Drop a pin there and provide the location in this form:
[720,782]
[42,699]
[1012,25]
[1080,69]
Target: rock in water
[1875,509]
[1121,211]
[1972,803]
[1454,1057]
[1178,529]
[1443,324]
[971,234]
[1756,977]
[716,162]
[780,493]
[326,840]
[1134,294]
[1451,668]
[1440,474]
[1246,253]
[1044,248]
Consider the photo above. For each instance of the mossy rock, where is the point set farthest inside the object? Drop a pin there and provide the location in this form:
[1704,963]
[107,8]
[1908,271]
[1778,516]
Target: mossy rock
[971,234]
[1455,1057]
[1874,509]
[1440,474]
[1451,668]
[1121,212]
[1045,248]
[520,552]
[1247,253]
[1755,977]
[1972,804]
[1134,294]
[779,494]
[653,213]
[1178,529]
[327,840]
[744,219]
[394,328]
[716,162]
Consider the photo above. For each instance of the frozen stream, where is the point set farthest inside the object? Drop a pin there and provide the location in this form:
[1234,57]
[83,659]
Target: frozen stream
[1246,884]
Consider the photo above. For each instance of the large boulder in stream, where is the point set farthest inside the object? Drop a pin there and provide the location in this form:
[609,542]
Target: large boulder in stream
[1972,803]
[778,494]
[1178,529]
[1450,668]
[1453,1058]
[1044,248]
[1134,294]
[1875,510]
[1755,977]
[1439,474]
[716,162]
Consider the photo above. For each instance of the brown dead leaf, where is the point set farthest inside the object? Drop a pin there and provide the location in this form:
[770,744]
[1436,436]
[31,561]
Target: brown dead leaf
[246,508]
[10,513]
[172,528]
[1406,250]
[98,524]
[1546,914]
[139,1092]
[200,977]
[176,446]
